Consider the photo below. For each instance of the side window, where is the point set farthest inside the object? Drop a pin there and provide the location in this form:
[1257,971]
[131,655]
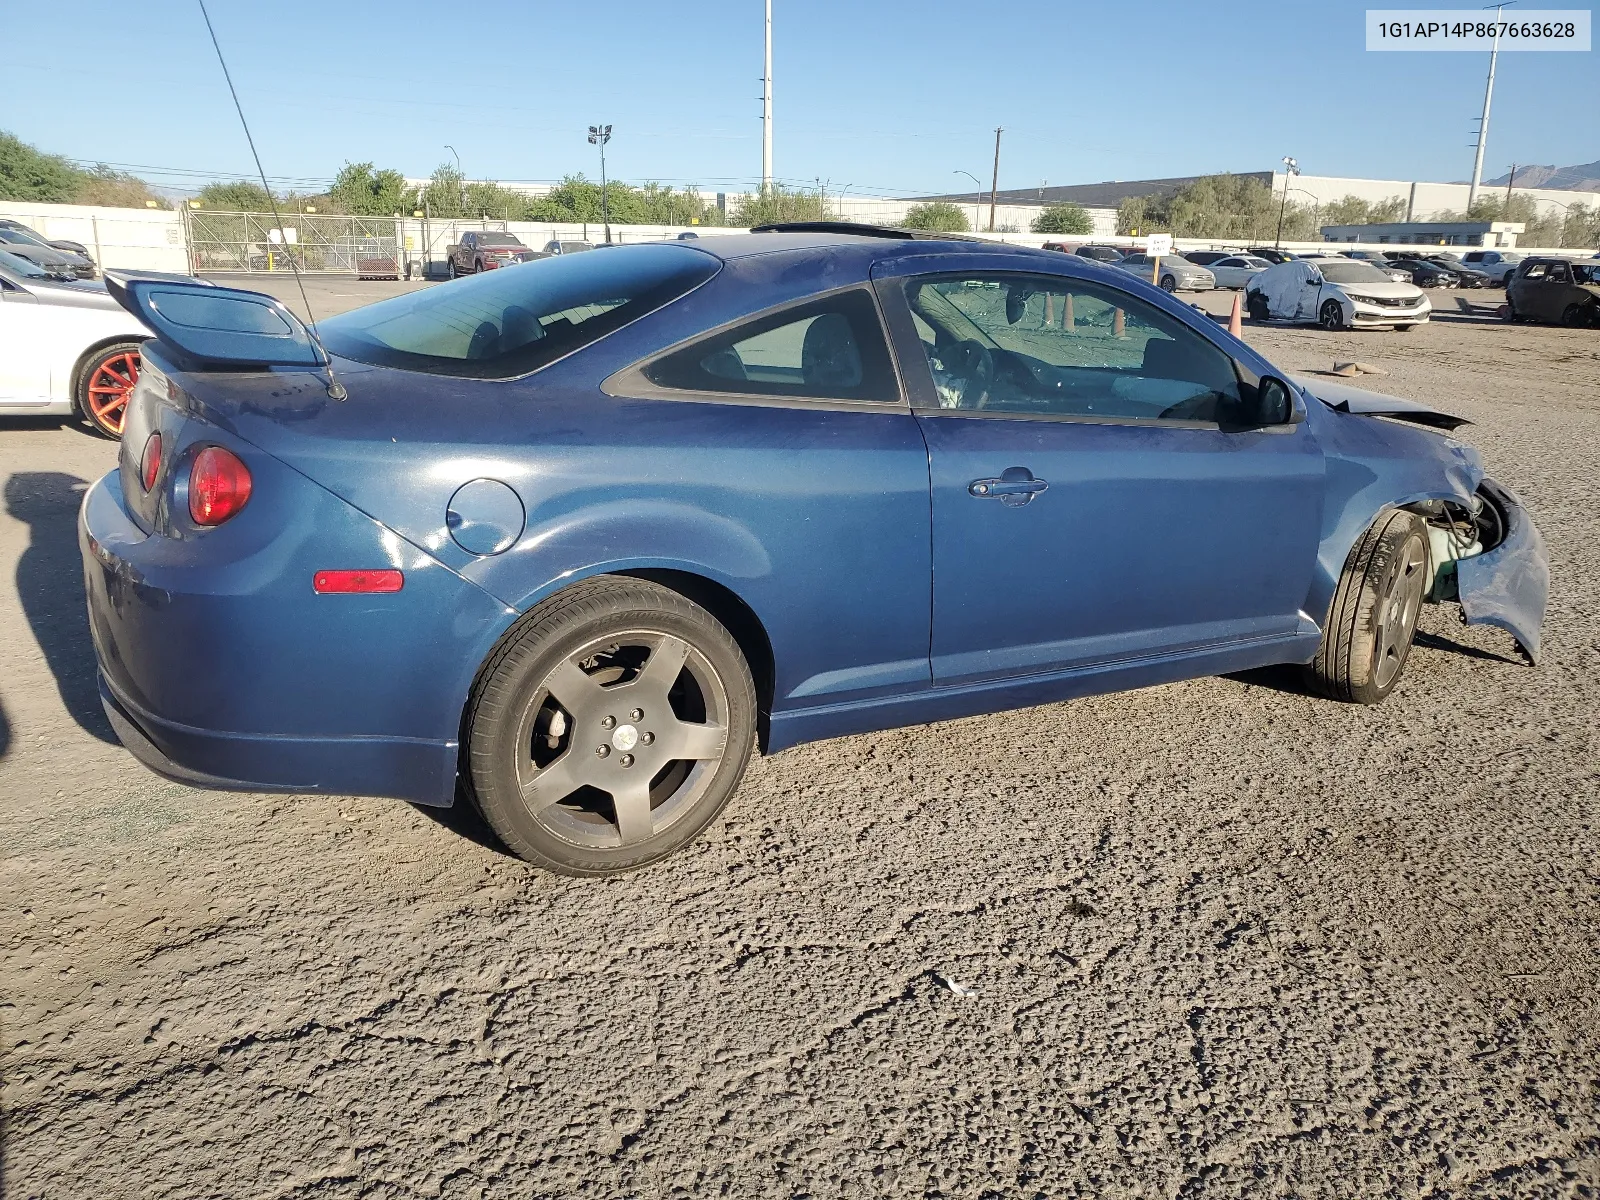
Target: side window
[1048,346]
[1560,273]
[830,349]
[1535,271]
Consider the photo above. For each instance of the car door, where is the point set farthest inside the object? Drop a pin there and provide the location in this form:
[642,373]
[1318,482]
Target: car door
[1094,501]
[1555,292]
[25,345]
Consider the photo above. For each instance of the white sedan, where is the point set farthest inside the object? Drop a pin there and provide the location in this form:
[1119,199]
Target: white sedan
[1336,293]
[65,348]
[1236,271]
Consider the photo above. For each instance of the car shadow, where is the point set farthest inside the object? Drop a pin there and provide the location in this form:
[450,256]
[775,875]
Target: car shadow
[1434,641]
[1291,679]
[50,586]
[464,820]
[5,730]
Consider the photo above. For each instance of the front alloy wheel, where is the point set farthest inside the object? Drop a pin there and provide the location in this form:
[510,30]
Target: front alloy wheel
[1373,618]
[1332,318]
[611,729]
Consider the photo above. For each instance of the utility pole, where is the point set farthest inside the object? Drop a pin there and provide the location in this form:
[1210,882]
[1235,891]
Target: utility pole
[766,112]
[1483,121]
[994,185]
[1510,180]
[599,135]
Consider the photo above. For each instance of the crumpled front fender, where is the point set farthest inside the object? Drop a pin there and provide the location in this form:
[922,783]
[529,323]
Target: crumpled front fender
[1508,586]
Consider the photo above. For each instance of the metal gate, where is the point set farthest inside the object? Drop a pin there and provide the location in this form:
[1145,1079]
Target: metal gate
[251,242]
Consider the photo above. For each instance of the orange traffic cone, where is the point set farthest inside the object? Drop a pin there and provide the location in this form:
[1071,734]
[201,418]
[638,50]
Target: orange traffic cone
[1235,319]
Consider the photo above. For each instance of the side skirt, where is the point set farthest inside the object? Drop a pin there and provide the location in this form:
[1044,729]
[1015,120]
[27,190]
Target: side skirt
[998,695]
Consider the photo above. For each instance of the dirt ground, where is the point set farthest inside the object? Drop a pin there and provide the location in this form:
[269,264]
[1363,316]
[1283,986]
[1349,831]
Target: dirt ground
[1221,938]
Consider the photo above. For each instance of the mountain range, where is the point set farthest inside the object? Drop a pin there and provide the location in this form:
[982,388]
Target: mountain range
[1585,177]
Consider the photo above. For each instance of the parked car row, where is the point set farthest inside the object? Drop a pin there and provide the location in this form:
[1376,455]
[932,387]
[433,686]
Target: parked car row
[60,259]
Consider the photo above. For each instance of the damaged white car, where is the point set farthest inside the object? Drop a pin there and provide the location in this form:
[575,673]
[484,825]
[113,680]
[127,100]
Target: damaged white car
[1336,293]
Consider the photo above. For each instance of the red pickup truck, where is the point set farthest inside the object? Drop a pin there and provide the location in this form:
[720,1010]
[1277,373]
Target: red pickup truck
[484,250]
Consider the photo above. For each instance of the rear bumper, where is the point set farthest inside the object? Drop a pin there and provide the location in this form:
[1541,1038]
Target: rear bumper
[220,667]
[420,771]
[1508,586]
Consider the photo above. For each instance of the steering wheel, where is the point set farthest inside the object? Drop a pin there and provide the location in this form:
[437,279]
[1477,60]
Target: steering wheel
[971,361]
[1195,408]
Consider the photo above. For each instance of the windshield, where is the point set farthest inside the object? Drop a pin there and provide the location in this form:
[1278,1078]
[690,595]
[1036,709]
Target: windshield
[509,322]
[1351,271]
[499,239]
[21,266]
[17,237]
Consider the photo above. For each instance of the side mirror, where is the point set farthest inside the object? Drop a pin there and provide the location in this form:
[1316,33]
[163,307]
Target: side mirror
[1274,402]
[219,325]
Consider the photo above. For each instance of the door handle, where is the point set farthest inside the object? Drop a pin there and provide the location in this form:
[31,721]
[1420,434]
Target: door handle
[1015,487]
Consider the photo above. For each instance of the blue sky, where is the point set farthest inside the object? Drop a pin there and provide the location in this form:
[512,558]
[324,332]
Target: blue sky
[880,98]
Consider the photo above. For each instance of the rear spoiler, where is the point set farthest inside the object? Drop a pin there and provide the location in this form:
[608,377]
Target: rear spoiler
[216,326]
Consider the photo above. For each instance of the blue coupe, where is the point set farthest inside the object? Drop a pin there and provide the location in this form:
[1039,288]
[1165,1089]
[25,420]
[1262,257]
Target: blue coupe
[571,539]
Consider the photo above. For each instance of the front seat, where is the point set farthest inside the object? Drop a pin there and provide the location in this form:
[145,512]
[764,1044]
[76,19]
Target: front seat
[829,357]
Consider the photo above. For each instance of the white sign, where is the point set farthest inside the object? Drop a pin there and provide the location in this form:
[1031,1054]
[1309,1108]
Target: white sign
[1158,244]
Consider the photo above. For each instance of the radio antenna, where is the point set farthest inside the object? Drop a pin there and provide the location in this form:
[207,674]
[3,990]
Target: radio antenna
[335,388]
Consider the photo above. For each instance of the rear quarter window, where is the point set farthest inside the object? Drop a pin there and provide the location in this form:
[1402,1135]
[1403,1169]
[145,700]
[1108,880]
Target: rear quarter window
[509,322]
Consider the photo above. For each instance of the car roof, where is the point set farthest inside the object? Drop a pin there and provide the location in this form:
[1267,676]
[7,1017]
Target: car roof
[872,246]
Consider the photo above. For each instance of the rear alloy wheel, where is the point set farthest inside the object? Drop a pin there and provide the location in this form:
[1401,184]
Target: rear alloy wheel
[1373,617]
[611,728]
[104,385]
[1332,316]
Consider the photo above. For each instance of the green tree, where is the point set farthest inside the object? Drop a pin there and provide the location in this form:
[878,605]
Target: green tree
[362,191]
[114,189]
[1218,206]
[1063,218]
[27,174]
[939,216]
[1353,210]
[235,197]
[778,203]
[446,192]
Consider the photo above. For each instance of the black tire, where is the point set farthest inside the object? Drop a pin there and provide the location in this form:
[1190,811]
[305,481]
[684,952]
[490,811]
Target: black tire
[1578,316]
[1373,617]
[1405,328]
[454,274]
[1331,316]
[1168,284]
[585,643]
[98,390]
[1256,305]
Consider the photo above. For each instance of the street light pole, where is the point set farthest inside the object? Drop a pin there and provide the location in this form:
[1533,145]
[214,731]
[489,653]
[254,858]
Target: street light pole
[1483,121]
[599,135]
[1290,168]
[977,199]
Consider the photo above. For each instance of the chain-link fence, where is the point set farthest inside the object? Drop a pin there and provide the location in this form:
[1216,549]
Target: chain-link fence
[239,241]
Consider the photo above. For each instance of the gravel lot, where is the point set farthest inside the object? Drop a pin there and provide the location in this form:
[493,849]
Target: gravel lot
[1226,939]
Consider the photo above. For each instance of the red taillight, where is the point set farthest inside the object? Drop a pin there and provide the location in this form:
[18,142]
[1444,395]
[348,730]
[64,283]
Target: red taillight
[331,582]
[150,462]
[219,486]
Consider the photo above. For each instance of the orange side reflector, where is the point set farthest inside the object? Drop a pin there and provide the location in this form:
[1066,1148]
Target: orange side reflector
[338,582]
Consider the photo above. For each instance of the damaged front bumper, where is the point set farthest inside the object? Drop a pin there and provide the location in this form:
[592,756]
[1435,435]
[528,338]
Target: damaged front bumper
[1508,586]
